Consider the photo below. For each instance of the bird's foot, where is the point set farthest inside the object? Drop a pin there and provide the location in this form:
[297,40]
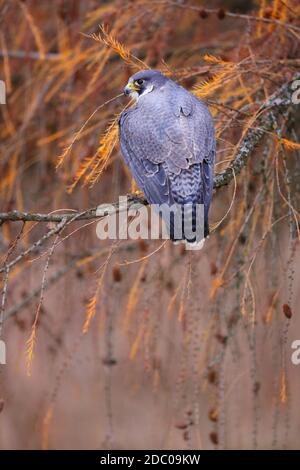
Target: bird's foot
[136,195]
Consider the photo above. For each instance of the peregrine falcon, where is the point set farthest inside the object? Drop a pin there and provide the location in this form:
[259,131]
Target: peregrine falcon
[167,140]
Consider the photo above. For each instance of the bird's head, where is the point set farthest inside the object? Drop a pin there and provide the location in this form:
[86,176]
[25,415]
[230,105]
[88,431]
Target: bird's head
[144,82]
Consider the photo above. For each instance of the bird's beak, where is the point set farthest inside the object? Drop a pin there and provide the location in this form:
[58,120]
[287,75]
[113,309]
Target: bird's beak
[130,87]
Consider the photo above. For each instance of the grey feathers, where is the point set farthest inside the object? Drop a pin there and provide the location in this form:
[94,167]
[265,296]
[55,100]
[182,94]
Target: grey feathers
[167,140]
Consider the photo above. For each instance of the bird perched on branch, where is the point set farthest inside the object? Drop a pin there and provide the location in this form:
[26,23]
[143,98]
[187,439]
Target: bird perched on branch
[168,142]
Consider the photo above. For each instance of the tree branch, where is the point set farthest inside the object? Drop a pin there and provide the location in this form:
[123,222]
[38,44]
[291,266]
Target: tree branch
[268,113]
[229,14]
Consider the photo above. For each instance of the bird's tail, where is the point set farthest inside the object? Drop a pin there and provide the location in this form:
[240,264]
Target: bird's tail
[189,224]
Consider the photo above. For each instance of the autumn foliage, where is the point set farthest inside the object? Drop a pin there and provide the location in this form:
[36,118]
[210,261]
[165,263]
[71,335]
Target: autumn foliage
[136,344]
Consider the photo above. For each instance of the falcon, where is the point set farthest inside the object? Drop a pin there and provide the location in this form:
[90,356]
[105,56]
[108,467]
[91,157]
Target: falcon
[168,142]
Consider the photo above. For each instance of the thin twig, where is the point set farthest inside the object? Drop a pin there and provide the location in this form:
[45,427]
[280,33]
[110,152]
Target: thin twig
[273,107]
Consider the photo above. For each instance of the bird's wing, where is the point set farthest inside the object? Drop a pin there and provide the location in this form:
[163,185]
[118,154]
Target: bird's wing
[165,136]
[151,177]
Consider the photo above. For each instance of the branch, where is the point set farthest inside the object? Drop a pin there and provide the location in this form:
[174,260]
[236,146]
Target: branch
[75,262]
[32,55]
[94,213]
[272,109]
[229,14]
[279,102]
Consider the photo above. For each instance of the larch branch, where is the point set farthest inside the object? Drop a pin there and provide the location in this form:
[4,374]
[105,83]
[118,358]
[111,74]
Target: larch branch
[277,104]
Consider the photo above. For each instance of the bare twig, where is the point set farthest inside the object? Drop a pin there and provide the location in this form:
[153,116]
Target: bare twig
[19,54]
[35,245]
[36,292]
[270,110]
[229,14]
[73,263]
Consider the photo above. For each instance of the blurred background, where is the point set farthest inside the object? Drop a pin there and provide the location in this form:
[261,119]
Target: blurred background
[135,344]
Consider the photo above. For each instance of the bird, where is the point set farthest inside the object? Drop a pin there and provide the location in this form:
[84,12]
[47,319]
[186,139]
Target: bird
[167,140]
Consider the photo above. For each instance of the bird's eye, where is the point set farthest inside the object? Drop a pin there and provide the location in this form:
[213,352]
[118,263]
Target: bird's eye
[140,81]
